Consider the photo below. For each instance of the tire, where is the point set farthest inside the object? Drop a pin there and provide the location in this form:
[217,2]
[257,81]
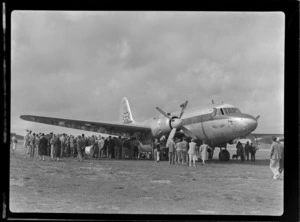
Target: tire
[224,155]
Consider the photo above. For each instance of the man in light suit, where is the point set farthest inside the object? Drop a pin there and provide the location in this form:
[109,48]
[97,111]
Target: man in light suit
[275,156]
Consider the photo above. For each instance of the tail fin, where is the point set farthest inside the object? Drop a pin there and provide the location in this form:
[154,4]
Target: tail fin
[125,112]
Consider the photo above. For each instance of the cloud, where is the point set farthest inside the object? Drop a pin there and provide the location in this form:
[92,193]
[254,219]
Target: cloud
[80,64]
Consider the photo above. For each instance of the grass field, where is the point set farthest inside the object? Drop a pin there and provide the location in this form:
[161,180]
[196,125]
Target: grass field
[144,186]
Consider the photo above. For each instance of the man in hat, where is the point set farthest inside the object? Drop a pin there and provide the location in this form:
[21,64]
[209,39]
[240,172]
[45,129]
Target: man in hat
[42,147]
[25,144]
[275,156]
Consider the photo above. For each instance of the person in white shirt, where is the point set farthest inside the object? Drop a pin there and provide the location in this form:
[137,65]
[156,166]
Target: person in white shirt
[32,144]
[101,145]
[184,147]
[172,150]
[62,145]
[203,151]
[52,145]
[14,143]
[156,150]
[25,144]
[192,153]
[275,156]
[178,152]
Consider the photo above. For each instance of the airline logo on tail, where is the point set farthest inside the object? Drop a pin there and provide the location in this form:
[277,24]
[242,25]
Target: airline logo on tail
[125,112]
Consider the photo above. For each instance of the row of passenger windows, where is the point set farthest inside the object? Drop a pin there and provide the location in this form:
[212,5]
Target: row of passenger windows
[225,111]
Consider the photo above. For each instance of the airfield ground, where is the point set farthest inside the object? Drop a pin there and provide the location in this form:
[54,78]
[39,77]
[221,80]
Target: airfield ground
[144,186]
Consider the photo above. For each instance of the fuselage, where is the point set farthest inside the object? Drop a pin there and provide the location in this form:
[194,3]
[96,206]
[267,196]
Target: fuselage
[216,126]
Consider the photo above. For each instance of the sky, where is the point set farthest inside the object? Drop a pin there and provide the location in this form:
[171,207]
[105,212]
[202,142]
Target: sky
[79,65]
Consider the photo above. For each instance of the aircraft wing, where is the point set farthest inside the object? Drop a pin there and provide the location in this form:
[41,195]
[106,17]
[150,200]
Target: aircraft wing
[266,138]
[99,127]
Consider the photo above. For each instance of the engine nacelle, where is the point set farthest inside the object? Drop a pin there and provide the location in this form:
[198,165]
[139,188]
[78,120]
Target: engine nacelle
[161,126]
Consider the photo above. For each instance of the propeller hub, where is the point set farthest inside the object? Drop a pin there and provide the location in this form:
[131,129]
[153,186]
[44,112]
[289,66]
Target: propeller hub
[176,123]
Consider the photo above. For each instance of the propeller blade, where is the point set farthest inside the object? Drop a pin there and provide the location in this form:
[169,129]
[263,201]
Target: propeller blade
[183,108]
[253,139]
[188,132]
[257,117]
[162,112]
[171,135]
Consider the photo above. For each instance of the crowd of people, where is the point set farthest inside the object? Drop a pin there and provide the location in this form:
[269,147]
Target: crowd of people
[181,151]
[59,146]
[184,151]
[244,151]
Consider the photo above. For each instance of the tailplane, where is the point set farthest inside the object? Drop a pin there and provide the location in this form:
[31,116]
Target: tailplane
[125,112]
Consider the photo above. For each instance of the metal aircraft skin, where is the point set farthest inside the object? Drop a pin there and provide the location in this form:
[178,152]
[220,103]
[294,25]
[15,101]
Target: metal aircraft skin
[216,125]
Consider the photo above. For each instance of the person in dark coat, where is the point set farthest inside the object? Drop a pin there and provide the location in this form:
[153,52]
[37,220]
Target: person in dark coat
[96,148]
[118,147]
[75,148]
[56,150]
[110,146]
[105,152]
[240,150]
[125,148]
[247,150]
[43,147]
[253,150]
[67,147]
[48,150]
[80,145]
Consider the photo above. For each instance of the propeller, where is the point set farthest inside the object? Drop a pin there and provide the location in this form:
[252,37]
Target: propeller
[162,112]
[176,123]
[183,106]
[253,138]
[257,117]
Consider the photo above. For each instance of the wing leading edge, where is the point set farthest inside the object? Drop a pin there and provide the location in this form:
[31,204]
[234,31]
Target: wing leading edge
[106,128]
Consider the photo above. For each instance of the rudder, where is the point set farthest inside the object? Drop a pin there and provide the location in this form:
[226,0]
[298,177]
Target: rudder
[125,112]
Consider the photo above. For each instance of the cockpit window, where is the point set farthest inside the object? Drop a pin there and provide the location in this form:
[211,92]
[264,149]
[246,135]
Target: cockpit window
[236,110]
[228,110]
[219,112]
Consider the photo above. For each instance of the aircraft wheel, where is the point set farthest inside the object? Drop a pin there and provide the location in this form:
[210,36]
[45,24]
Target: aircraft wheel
[224,155]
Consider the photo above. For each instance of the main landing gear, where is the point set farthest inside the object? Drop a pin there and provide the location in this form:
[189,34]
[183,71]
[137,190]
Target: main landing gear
[224,155]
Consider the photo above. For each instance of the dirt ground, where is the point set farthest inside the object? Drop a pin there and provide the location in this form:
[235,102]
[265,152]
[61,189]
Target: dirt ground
[144,186]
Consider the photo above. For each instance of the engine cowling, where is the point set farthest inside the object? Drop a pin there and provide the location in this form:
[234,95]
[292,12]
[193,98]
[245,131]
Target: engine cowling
[161,126]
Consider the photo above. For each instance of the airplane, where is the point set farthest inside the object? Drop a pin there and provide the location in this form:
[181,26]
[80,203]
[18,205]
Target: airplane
[216,125]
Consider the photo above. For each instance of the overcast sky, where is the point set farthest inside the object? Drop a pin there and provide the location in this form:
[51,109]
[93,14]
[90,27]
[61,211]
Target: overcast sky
[79,65]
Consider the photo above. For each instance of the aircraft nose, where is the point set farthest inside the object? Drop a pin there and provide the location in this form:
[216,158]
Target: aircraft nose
[250,123]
